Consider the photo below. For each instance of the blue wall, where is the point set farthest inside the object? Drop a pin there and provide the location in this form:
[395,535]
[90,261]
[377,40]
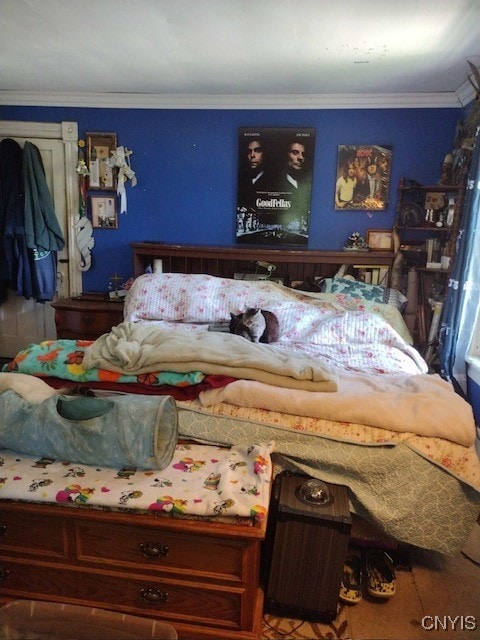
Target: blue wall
[185,162]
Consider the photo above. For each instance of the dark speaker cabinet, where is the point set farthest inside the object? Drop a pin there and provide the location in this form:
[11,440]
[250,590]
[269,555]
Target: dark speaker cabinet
[305,549]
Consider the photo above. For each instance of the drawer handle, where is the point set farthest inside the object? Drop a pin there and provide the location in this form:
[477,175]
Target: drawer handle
[153,549]
[152,595]
[88,319]
[4,573]
[3,529]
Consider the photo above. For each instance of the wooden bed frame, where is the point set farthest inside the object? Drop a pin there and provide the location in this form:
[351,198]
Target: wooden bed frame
[291,264]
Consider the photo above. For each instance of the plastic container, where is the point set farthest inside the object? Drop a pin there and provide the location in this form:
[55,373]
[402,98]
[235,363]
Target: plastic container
[35,620]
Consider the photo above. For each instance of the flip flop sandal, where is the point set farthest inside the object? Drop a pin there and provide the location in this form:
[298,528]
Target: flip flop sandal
[380,574]
[351,584]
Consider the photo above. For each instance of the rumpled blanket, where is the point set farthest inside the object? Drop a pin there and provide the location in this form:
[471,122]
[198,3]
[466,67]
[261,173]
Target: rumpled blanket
[139,431]
[64,359]
[424,404]
[137,348]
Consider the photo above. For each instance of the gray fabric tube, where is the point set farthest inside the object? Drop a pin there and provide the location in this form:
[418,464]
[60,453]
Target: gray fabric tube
[123,430]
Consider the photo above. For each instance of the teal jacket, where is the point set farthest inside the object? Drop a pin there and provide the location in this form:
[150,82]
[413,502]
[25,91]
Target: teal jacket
[42,230]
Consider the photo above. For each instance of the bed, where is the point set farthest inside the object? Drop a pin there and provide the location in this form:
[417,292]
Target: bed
[342,396]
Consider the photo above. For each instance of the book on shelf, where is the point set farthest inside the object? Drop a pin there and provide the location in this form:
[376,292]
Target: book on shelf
[434,249]
[376,274]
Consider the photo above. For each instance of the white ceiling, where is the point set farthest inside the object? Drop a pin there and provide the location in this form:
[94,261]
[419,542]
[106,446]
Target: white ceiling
[305,51]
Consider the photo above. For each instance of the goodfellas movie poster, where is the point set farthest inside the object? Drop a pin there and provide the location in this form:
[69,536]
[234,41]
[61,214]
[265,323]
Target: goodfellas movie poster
[275,167]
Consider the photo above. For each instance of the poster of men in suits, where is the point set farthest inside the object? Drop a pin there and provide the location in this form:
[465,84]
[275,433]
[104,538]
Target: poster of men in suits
[274,185]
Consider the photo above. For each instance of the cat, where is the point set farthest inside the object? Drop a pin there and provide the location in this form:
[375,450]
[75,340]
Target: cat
[256,325]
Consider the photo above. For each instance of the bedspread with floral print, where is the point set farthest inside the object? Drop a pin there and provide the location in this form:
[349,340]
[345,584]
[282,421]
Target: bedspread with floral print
[64,359]
[349,333]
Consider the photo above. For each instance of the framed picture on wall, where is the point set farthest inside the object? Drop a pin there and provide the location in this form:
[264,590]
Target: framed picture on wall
[380,239]
[99,149]
[362,178]
[104,212]
[275,170]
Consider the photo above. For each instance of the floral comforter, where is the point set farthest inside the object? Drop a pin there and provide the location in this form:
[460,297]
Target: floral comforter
[341,331]
[64,359]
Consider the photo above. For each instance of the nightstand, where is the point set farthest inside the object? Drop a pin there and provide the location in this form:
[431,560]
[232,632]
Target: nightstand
[86,317]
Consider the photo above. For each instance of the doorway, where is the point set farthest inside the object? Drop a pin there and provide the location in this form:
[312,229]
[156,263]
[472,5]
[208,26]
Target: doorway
[25,321]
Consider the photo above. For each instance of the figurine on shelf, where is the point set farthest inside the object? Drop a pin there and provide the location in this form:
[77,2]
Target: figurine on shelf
[355,242]
[446,176]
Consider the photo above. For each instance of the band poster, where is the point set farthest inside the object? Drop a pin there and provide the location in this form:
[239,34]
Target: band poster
[275,167]
[363,177]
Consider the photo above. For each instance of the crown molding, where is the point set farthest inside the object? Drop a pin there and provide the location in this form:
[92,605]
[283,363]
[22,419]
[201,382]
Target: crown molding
[466,93]
[232,101]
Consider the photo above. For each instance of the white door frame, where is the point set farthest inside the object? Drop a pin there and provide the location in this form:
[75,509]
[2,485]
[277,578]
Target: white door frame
[67,132]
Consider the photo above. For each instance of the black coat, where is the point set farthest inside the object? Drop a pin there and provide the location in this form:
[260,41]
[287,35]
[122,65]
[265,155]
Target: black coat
[15,271]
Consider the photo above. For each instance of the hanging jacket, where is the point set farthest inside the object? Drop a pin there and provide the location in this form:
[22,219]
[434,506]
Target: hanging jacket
[43,235]
[42,230]
[15,272]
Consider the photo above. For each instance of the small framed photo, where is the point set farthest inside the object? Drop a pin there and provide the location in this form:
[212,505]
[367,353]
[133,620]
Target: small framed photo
[380,239]
[99,149]
[104,212]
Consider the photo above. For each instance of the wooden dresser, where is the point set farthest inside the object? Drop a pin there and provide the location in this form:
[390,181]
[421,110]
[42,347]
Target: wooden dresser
[86,317]
[200,576]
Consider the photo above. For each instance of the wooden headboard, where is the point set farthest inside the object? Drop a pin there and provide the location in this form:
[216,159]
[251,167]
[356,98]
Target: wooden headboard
[291,264]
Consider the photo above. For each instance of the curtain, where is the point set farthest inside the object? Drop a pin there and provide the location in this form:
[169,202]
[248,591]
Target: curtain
[462,302]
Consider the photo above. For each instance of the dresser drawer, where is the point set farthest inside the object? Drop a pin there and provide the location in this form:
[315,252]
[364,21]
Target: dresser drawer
[87,321]
[48,539]
[131,593]
[154,549]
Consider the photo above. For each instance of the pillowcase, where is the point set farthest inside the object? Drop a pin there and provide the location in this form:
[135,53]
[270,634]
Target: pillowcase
[197,297]
[371,292]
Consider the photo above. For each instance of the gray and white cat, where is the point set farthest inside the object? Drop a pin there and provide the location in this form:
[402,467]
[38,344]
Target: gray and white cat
[256,325]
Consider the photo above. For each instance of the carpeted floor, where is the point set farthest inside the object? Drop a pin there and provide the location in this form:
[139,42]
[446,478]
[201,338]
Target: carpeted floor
[275,628]
[431,591]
